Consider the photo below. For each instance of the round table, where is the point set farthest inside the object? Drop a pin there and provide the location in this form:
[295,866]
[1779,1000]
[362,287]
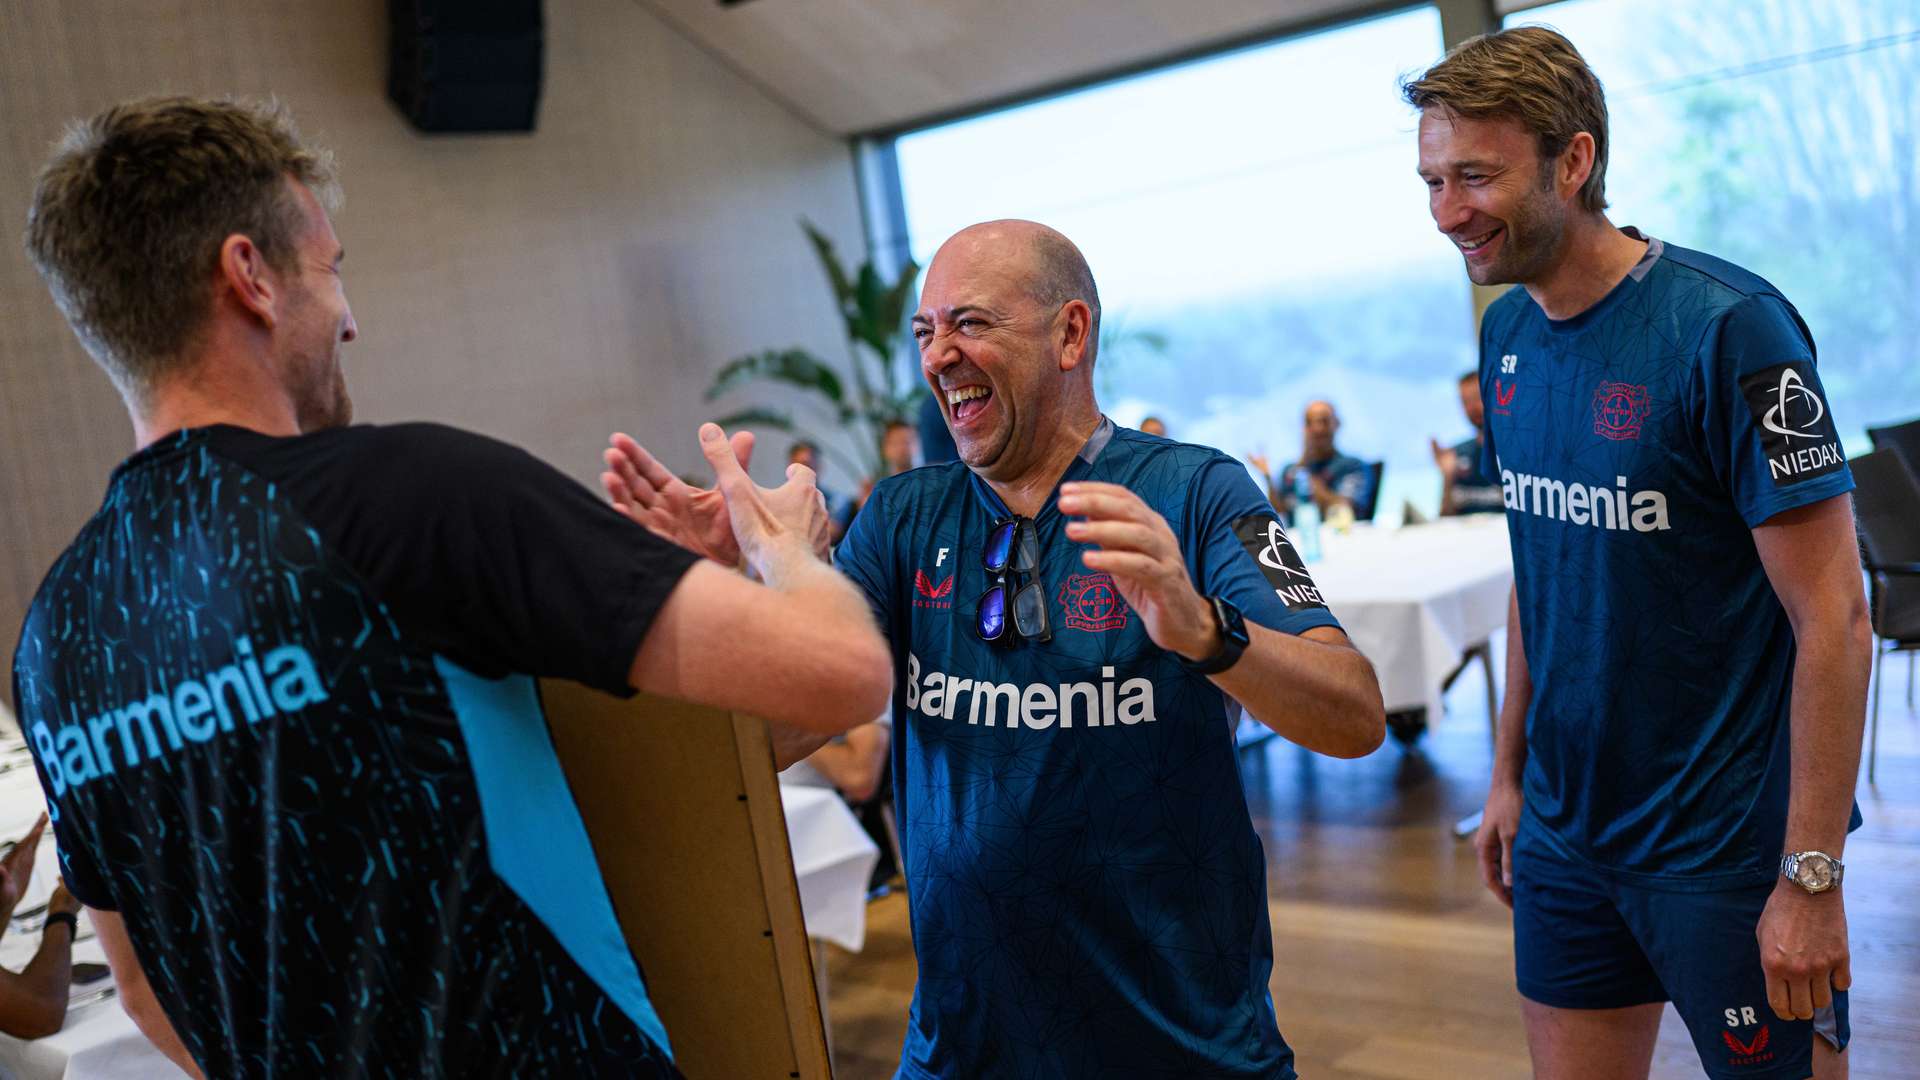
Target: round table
[833,861]
[1414,599]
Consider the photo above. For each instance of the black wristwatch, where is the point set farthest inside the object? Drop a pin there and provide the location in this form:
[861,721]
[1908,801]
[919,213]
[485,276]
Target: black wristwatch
[1233,639]
[68,917]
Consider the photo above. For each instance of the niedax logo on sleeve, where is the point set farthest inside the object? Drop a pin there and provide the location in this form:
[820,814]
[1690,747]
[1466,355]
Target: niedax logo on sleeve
[1796,431]
[1267,542]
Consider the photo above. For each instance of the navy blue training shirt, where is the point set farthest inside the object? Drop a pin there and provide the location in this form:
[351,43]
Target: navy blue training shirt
[1637,445]
[280,695]
[1087,892]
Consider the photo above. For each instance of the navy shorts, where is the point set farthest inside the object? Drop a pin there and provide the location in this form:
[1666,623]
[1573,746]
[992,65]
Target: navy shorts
[1585,940]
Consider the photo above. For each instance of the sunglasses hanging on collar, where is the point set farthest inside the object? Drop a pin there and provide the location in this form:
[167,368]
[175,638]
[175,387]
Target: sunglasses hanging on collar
[1010,611]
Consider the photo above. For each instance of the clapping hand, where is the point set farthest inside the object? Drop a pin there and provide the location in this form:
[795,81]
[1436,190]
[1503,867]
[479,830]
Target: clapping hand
[695,518]
[736,519]
[16,867]
[1446,458]
[766,519]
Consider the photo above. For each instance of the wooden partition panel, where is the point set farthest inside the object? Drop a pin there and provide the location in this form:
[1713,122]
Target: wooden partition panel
[683,808]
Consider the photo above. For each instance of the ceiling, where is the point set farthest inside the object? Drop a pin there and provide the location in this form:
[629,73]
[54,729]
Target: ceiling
[858,66]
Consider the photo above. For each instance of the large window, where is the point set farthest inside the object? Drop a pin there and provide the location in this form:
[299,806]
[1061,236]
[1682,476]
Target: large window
[1259,236]
[1783,135]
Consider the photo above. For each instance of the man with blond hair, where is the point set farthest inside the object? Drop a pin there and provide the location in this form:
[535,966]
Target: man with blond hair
[280,691]
[1687,647]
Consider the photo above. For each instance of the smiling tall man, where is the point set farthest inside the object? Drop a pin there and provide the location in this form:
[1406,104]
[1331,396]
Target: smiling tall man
[1069,606]
[1687,650]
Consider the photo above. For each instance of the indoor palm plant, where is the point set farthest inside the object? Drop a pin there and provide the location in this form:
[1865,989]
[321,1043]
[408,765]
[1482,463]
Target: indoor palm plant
[882,390]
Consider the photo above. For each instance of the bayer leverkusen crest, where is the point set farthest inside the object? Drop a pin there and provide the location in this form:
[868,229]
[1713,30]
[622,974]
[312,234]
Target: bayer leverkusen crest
[1619,409]
[1092,603]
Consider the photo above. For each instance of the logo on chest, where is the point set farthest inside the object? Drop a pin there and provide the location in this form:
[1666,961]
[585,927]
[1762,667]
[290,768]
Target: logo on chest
[928,593]
[1503,392]
[1092,603]
[1619,409]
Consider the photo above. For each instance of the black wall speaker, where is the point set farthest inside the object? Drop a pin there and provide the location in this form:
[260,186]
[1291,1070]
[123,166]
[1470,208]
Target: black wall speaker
[467,65]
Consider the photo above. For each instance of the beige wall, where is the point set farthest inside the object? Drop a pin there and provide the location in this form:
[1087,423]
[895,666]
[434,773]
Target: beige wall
[542,288]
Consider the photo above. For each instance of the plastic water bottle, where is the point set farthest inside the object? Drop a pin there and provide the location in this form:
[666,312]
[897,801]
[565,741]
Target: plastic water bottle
[1306,517]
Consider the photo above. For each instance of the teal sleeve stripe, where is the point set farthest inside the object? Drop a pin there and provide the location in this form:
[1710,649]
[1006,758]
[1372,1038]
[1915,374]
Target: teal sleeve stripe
[535,839]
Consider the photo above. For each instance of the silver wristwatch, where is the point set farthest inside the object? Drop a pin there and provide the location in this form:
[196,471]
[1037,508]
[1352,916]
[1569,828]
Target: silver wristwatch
[1814,871]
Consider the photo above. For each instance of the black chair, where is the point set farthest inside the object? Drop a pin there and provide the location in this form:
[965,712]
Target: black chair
[1375,470]
[1902,439]
[1886,506]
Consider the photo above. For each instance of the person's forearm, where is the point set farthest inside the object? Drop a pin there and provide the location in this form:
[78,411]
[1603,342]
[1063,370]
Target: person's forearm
[835,760]
[1830,672]
[159,1031]
[859,665]
[1510,738]
[136,997]
[136,994]
[793,569]
[792,745]
[50,972]
[853,769]
[33,1004]
[1320,695]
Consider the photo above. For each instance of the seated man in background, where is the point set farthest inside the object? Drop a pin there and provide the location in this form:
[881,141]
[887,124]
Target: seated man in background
[280,692]
[33,1001]
[899,452]
[839,507]
[1153,425]
[1064,605]
[899,448]
[1464,489]
[1334,478]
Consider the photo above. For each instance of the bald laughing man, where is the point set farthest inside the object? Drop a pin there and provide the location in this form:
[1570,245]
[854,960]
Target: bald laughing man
[1069,606]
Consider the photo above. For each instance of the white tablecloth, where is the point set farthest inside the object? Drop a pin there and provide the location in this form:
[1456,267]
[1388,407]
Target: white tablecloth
[99,1041]
[833,858]
[1413,599]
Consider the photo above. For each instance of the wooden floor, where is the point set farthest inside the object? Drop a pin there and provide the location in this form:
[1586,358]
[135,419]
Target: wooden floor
[1367,882]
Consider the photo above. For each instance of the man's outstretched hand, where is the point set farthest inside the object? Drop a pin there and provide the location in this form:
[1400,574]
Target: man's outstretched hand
[734,520]
[695,518]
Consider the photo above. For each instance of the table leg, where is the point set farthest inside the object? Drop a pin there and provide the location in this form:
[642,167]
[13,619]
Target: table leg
[1407,725]
[820,987]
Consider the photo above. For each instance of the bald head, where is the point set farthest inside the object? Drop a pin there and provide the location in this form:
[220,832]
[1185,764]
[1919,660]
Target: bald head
[1320,425]
[1006,329]
[1047,265]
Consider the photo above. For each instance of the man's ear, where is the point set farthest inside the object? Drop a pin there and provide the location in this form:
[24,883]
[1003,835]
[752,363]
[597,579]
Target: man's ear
[1076,333]
[244,273]
[1575,165]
